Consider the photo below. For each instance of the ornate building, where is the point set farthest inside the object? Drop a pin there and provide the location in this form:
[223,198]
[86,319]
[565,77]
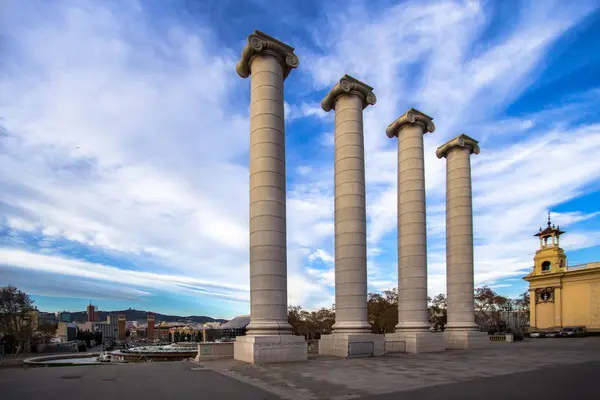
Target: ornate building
[562,295]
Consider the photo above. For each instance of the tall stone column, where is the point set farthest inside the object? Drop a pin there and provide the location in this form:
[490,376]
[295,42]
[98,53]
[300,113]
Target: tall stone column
[269,338]
[351,331]
[461,330]
[413,319]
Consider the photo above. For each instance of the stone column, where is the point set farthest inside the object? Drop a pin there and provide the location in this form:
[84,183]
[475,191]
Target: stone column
[461,331]
[413,319]
[269,62]
[348,98]
[351,331]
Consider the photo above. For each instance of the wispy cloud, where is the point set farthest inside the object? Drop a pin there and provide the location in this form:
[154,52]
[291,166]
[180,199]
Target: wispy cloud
[125,135]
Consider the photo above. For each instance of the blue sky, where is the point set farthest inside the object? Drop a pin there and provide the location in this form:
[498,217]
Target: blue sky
[124,141]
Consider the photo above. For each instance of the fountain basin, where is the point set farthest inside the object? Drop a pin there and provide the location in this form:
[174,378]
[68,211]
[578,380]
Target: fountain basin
[61,360]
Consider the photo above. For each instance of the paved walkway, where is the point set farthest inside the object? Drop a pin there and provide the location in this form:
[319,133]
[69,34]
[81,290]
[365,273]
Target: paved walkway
[332,378]
[550,368]
[562,382]
[147,381]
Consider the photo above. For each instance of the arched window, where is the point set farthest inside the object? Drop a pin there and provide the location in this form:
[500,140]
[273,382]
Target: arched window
[546,266]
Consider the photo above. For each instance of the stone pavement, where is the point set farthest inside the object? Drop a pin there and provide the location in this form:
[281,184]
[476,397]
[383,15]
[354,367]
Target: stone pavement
[179,380]
[334,378]
[568,382]
[570,368]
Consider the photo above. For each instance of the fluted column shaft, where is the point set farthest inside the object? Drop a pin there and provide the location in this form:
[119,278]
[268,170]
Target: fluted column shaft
[349,97]
[459,241]
[350,218]
[459,233]
[268,255]
[412,238]
[269,62]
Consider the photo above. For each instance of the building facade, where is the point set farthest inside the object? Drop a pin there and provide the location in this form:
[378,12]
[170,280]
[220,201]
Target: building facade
[91,313]
[39,318]
[562,295]
[109,330]
[150,329]
[122,332]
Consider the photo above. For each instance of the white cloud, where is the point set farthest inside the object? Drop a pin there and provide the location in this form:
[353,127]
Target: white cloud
[465,87]
[99,272]
[128,138]
[321,255]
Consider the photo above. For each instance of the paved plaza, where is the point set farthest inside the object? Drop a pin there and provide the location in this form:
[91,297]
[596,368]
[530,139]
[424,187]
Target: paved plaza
[334,378]
[565,368]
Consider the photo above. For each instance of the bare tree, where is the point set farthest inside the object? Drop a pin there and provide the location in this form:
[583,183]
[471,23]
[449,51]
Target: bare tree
[15,318]
[488,308]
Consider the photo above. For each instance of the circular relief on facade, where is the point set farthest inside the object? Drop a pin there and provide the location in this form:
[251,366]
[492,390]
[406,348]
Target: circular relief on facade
[545,296]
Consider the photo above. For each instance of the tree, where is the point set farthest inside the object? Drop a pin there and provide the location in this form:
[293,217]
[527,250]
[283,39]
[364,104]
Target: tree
[176,337]
[98,337]
[296,319]
[15,308]
[382,311]
[488,309]
[521,307]
[438,312]
[311,324]
[45,332]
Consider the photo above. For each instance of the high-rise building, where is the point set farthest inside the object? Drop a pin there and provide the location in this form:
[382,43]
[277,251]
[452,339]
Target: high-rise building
[121,328]
[150,334]
[91,312]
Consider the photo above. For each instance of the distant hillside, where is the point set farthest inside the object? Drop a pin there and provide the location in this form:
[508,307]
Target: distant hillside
[140,315]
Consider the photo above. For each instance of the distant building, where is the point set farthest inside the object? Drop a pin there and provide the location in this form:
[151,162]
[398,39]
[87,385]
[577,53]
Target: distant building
[121,328]
[66,331]
[150,330]
[38,318]
[108,330]
[239,322]
[92,313]
[211,325]
[562,295]
[63,316]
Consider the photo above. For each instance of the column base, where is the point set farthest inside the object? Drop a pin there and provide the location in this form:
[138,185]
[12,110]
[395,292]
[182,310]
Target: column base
[456,339]
[352,345]
[270,349]
[418,342]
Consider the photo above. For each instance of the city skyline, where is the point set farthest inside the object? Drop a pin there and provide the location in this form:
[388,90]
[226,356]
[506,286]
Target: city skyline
[125,128]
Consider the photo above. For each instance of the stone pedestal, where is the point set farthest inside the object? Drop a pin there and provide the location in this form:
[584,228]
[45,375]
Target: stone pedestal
[352,345]
[419,341]
[461,328]
[270,349]
[268,61]
[466,339]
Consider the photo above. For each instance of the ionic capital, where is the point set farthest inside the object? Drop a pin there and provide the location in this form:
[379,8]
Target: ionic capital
[349,85]
[261,43]
[461,141]
[411,117]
